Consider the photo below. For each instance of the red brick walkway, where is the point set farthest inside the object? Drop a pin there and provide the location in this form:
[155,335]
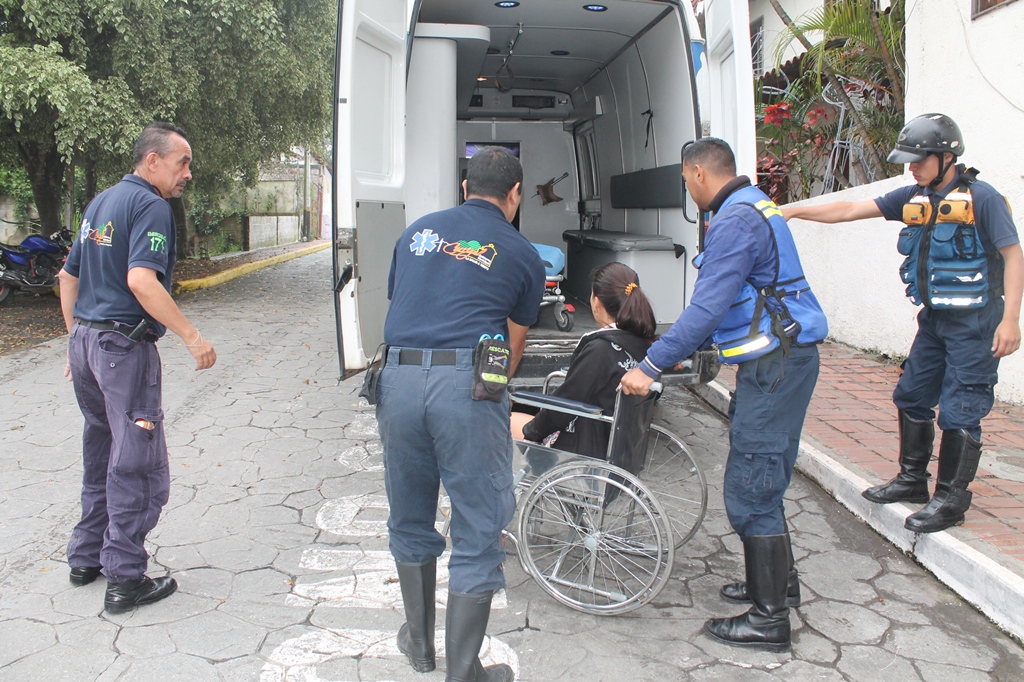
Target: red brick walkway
[852,418]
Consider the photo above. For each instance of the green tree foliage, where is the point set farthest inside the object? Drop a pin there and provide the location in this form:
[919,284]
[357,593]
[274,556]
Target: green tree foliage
[246,79]
[865,49]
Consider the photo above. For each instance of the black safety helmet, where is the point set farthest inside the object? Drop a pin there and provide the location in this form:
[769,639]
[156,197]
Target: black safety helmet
[927,134]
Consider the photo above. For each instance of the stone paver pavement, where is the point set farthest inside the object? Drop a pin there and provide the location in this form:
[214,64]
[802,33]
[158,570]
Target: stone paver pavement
[275,533]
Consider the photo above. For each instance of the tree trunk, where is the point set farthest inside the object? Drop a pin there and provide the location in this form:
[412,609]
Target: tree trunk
[180,227]
[92,180]
[45,171]
[890,67]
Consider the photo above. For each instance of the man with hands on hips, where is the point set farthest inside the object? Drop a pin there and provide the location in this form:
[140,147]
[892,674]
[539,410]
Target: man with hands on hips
[115,297]
[752,299]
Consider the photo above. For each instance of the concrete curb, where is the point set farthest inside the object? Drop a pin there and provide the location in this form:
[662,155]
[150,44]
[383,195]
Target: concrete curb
[992,588]
[244,269]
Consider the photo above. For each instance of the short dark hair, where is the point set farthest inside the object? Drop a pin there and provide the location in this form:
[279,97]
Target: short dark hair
[617,286]
[156,138]
[712,154]
[493,172]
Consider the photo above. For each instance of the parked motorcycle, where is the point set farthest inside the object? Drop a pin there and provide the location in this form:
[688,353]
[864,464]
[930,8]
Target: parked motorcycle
[33,265]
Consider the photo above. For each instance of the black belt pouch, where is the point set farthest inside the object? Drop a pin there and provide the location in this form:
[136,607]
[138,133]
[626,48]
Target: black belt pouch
[369,389]
[491,363]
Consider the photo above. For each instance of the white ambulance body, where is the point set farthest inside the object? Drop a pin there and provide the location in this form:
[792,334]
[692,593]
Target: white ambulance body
[603,95]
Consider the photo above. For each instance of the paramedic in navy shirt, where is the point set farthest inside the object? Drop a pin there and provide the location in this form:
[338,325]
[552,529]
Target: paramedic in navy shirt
[965,325]
[115,296]
[750,285]
[456,276]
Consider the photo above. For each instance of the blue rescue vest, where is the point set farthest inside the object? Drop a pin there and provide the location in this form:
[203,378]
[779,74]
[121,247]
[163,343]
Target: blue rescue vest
[944,251]
[782,313]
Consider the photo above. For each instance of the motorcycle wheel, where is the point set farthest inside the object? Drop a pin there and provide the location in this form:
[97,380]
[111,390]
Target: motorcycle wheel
[5,292]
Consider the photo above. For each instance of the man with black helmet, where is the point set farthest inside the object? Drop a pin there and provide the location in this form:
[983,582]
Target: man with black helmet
[964,264]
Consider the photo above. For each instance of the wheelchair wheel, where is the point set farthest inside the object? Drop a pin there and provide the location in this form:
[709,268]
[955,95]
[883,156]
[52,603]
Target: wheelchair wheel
[595,538]
[563,318]
[678,481]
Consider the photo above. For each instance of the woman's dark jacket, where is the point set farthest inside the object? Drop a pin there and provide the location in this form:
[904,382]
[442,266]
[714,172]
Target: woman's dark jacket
[596,367]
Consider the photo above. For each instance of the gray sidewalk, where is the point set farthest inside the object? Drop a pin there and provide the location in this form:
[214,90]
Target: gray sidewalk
[275,533]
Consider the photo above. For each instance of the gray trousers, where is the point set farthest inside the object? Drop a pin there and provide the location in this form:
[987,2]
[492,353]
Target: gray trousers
[434,432]
[126,480]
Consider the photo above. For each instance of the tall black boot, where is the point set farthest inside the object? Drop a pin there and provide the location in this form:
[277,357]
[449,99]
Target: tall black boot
[959,455]
[466,623]
[911,484]
[737,592]
[416,636]
[766,624]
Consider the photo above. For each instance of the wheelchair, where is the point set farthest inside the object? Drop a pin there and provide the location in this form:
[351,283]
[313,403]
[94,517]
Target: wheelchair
[600,536]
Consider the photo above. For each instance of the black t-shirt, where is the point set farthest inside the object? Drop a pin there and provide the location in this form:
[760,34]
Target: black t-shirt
[129,225]
[459,274]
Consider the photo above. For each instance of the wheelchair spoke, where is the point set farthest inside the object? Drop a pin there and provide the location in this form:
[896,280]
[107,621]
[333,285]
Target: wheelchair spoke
[595,539]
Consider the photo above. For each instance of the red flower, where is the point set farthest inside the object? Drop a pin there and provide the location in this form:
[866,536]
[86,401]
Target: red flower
[775,114]
[814,115]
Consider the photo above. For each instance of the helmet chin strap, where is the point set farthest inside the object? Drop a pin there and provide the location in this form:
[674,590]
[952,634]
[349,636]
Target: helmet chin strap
[943,168]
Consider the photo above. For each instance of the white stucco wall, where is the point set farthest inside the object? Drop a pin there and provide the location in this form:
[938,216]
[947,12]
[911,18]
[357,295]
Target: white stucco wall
[854,270]
[973,71]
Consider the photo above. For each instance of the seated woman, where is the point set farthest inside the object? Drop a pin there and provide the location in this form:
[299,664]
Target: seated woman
[597,364]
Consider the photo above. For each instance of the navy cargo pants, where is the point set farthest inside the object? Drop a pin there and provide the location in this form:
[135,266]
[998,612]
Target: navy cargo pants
[951,365]
[433,432]
[766,417]
[126,481]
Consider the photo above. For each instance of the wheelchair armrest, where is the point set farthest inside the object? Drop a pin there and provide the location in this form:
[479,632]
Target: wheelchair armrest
[564,405]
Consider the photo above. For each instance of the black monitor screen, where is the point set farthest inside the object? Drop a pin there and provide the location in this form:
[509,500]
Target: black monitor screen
[473,147]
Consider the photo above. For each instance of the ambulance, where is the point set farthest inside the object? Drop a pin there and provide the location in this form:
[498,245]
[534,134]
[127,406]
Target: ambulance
[596,99]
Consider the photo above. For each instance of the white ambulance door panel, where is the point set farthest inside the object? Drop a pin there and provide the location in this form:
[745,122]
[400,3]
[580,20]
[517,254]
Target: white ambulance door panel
[369,150]
[731,79]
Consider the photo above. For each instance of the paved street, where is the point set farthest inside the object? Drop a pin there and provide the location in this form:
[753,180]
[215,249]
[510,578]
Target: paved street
[275,533]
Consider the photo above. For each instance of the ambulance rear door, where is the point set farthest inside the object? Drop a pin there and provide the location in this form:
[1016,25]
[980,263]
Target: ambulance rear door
[730,100]
[369,174]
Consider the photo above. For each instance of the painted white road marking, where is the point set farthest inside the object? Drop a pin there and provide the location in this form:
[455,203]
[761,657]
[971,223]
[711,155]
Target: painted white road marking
[373,583]
[362,515]
[295,660]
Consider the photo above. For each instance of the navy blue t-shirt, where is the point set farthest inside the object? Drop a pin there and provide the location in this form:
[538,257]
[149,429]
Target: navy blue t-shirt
[459,274]
[991,213]
[129,225]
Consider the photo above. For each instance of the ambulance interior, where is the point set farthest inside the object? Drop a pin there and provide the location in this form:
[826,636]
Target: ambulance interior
[596,99]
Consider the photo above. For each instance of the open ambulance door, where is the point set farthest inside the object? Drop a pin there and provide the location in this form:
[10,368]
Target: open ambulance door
[369,172]
[730,101]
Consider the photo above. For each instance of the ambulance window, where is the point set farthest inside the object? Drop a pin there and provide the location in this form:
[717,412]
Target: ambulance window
[586,150]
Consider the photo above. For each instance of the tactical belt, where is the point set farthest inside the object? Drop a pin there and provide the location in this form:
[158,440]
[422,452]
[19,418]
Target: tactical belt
[413,356]
[120,328]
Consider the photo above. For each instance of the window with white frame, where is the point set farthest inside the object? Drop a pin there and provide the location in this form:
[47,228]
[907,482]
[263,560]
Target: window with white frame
[979,7]
[757,45]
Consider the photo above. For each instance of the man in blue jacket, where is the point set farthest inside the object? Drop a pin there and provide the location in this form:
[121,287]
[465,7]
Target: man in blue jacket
[752,299]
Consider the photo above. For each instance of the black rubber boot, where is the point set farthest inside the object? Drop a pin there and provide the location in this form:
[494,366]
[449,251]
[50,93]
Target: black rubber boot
[766,624]
[416,636]
[737,592]
[466,623]
[911,484]
[959,455]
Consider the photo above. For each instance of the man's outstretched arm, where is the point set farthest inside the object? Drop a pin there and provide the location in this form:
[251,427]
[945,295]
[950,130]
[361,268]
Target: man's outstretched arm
[834,212]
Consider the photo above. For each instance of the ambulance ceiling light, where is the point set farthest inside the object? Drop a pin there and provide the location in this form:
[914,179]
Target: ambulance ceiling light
[506,4]
[595,8]
[560,53]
